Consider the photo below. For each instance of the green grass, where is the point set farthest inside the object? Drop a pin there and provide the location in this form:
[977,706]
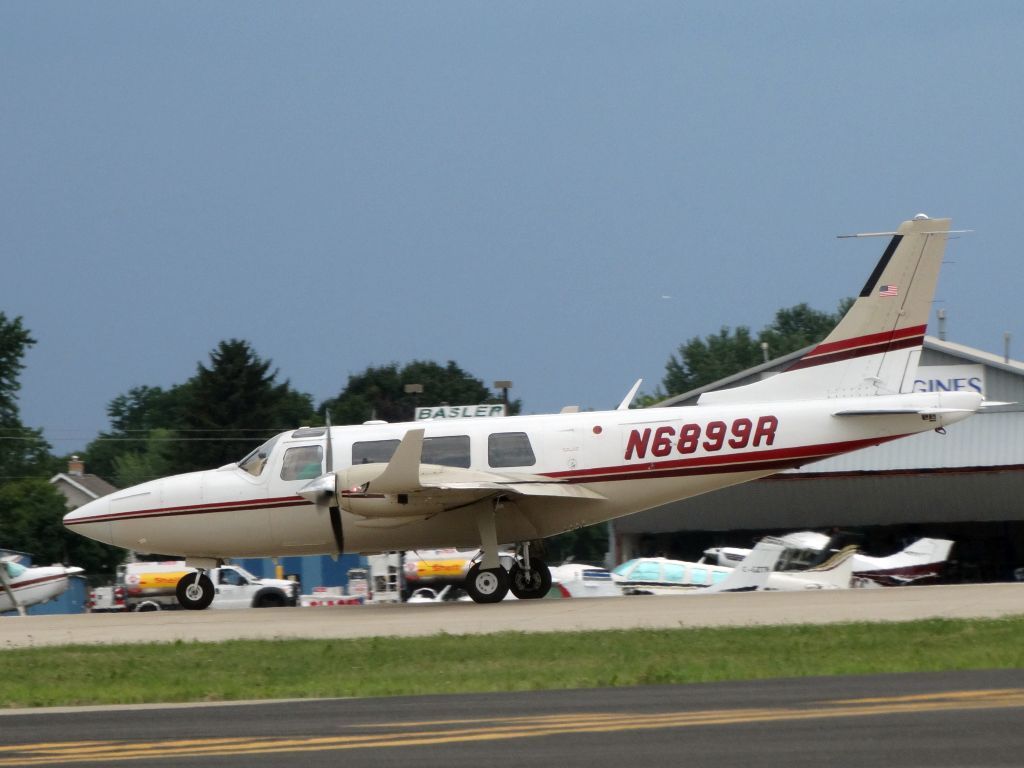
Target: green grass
[507,662]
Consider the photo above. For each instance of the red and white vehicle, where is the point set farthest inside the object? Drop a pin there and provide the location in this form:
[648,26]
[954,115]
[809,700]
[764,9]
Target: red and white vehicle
[106,600]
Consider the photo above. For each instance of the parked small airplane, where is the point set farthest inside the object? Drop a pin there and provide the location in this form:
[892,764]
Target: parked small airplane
[484,482]
[661,576]
[922,560]
[22,587]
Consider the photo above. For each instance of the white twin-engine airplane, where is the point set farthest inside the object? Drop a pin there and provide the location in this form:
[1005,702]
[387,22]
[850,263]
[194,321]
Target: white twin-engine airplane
[493,481]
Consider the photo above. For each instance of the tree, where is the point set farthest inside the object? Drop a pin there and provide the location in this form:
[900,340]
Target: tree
[584,545]
[154,461]
[133,417]
[23,451]
[703,361]
[232,405]
[212,419]
[32,521]
[379,392]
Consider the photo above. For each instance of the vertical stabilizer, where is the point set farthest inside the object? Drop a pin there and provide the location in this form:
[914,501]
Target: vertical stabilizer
[874,348]
[753,572]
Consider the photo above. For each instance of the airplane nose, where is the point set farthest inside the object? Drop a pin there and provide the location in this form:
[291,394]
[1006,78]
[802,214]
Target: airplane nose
[92,520]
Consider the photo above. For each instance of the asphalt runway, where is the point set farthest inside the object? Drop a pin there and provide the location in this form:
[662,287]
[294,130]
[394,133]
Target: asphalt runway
[748,608]
[940,720]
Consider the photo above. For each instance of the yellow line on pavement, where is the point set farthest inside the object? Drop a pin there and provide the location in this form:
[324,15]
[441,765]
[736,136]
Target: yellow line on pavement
[434,732]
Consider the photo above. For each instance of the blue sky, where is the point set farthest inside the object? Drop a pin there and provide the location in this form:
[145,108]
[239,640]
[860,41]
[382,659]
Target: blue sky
[514,187]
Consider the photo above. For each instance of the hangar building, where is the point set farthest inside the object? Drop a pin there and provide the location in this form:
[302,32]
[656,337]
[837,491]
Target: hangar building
[966,485]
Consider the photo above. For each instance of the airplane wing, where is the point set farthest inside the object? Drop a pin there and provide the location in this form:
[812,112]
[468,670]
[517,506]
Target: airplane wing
[429,488]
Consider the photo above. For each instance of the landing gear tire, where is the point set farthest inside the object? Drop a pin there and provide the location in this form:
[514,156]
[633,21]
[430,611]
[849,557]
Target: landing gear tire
[195,592]
[530,584]
[487,585]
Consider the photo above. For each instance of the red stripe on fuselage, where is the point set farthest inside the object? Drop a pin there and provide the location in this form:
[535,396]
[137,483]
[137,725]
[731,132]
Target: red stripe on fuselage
[195,509]
[750,461]
[37,581]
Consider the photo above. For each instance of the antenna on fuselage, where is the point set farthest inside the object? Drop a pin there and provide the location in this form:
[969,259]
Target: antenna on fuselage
[628,399]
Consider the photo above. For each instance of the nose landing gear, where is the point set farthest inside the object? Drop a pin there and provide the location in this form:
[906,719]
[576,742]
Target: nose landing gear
[195,591]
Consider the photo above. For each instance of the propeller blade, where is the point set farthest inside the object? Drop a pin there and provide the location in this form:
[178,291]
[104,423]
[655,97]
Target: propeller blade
[319,490]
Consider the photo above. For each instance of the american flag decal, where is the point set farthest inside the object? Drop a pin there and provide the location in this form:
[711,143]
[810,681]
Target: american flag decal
[888,290]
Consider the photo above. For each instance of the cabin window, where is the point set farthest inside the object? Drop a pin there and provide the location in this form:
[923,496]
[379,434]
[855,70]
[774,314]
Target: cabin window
[302,462]
[510,449]
[646,572]
[717,577]
[675,573]
[14,570]
[624,569]
[373,451]
[447,451]
[231,578]
[698,576]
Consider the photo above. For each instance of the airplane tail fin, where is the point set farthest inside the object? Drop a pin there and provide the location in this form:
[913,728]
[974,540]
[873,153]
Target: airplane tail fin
[923,559]
[836,572]
[753,572]
[875,347]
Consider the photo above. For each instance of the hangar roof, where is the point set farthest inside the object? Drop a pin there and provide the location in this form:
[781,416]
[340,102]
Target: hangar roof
[936,352]
[994,438]
[974,472]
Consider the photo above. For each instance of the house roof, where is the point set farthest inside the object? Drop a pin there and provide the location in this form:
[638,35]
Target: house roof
[778,364]
[91,485]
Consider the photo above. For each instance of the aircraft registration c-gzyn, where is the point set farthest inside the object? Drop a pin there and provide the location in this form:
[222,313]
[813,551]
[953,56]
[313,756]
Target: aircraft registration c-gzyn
[512,480]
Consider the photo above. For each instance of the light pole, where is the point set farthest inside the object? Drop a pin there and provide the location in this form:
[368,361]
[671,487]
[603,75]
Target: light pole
[504,386]
[415,390]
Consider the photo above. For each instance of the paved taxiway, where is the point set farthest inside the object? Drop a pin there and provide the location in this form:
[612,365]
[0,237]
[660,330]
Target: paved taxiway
[941,720]
[765,608]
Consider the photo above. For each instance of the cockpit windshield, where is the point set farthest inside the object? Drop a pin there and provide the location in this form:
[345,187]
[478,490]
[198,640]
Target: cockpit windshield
[257,460]
[13,569]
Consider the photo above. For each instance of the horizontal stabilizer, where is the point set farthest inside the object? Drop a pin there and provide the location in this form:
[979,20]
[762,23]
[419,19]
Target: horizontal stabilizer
[901,411]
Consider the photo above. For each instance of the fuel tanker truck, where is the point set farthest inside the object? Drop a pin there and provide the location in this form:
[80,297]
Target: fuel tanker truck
[150,586]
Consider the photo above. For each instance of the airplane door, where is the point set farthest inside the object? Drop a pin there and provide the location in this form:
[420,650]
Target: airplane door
[302,528]
[562,449]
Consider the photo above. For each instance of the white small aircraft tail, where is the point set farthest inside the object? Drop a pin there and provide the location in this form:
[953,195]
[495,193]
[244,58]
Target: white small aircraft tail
[875,347]
[834,573]
[924,559]
[753,572]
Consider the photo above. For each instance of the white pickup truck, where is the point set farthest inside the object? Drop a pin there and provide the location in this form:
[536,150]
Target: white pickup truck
[150,586]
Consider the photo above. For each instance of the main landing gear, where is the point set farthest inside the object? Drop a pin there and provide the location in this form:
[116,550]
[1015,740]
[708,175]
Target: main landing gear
[489,582]
[527,579]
